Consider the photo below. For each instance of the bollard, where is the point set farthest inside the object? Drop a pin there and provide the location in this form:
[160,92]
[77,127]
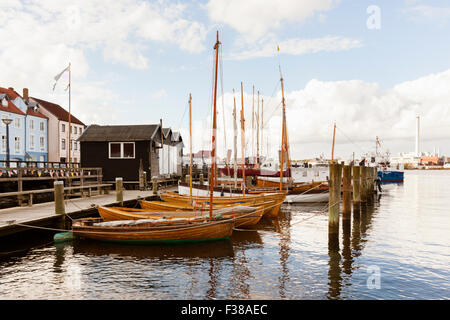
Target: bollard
[187,178]
[155,185]
[356,188]
[347,192]
[59,197]
[334,199]
[202,181]
[363,184]
[119,190]
[145,180]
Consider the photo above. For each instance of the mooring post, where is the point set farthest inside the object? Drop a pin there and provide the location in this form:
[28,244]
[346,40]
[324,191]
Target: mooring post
[145,180]
[202,181]
[334,199]
[59,197]
[347,192]
[155,185]
[187,178]
[119,190]
[356,189]
[363,179]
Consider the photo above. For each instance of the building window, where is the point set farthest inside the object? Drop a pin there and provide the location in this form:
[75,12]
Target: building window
[41,125]
[17,123]
[31,124]
[75,145]
[63,127]
[31,142]
[17,144]
[121,150]
[75,129]
[63,144]
[41,142]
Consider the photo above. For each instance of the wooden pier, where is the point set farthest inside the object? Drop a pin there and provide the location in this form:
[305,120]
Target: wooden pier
[17,219]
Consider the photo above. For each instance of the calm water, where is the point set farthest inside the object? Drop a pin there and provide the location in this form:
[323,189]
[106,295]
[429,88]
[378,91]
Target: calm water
[399,248]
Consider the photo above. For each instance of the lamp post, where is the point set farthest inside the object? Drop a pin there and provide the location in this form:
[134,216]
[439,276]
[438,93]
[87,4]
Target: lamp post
[7,122]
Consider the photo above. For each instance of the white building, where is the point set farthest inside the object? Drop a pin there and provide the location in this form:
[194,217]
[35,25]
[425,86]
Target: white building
[58,132]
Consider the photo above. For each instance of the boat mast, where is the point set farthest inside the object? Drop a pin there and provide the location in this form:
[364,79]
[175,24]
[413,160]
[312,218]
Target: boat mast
[262,124]
[283,146]
[257,134]
[235,141]
[253,126]
[190,146]
[70,127]
[243,140]
[214,128]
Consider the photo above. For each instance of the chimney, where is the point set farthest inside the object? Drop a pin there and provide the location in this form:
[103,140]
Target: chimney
[11,88]
[417,136]
[25,94]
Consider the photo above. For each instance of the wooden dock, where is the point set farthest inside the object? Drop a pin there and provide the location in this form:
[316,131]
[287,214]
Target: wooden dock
[12,220]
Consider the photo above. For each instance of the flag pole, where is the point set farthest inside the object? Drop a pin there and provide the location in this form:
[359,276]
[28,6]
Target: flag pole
[70,127]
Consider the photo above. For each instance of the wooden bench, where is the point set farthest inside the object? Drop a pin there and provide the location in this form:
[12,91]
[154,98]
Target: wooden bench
[89,187]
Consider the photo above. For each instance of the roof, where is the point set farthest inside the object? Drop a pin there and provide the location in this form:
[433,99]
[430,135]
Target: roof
[11,106]
[121,133]
[58,111]
[31,112]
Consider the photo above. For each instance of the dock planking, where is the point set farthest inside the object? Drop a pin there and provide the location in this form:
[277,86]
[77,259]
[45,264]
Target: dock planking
[43,214]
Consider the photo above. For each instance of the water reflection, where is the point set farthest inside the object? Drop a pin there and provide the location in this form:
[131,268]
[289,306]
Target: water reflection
[283,226]
[352,245]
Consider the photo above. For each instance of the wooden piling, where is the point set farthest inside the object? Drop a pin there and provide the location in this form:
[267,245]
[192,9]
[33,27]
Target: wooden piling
[144,174]
[155,185]
[347,192]
[119,190]
[363,183]
[187,178]
[334,199]
[202,180]
[59,197]
[356,188]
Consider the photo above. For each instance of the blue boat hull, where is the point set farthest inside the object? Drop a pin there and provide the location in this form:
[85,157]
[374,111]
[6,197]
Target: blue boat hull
[390,176]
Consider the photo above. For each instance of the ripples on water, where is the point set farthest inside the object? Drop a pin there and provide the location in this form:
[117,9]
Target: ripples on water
[404,235]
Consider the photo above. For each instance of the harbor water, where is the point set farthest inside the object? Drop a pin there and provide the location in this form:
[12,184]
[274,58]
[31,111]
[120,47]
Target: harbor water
[398,248]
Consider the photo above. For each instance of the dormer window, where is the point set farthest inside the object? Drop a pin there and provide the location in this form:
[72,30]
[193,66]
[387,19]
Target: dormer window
[5,102]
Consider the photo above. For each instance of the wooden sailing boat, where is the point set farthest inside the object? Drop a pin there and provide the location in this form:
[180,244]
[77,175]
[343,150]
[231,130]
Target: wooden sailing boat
[244,216]
[163,230]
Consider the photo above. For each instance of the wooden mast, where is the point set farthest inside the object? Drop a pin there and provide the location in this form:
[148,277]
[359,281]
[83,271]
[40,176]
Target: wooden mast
[190,146]
[70,127]
[243,140]
[235,141]
[257,134]
[282,135]
[262,124]
[214,128]
[253,126]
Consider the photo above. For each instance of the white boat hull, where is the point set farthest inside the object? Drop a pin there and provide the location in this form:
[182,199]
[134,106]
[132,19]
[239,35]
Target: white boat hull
[307,198]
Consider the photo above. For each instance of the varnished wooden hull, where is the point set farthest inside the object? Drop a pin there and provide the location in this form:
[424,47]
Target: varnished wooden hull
[243,220]
[155,233]
[271,210]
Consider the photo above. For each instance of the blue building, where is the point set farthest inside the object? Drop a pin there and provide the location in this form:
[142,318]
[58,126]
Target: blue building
[28,131]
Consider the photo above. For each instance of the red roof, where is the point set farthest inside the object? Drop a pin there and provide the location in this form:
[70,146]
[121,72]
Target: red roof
[31,112]
[58,111]
[11,106]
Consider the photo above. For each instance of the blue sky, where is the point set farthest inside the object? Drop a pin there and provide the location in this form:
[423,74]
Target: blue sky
[136,61]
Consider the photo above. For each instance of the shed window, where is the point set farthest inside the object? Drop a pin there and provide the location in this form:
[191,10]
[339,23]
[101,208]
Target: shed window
[121,150]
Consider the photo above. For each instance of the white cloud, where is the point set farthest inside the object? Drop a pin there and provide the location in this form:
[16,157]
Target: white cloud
[254,18]
[361,110]
[297,46]
[40,38]
[439,15]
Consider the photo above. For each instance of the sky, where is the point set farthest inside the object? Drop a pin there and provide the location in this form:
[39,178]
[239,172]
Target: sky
[370,67]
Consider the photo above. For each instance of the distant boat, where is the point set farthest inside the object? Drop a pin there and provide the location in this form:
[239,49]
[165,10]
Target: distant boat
[388,175]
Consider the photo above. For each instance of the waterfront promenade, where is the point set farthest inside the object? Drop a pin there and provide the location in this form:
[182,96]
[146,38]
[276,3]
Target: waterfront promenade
[43,214]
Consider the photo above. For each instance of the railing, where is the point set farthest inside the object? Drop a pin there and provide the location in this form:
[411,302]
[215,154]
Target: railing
[37,164]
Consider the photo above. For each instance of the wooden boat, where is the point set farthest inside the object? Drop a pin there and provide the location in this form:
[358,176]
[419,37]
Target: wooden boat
[244,216]
[271,209]
[152,230]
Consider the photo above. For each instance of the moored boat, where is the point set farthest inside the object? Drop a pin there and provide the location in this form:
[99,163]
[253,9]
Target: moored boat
[244,216]
[153,231]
